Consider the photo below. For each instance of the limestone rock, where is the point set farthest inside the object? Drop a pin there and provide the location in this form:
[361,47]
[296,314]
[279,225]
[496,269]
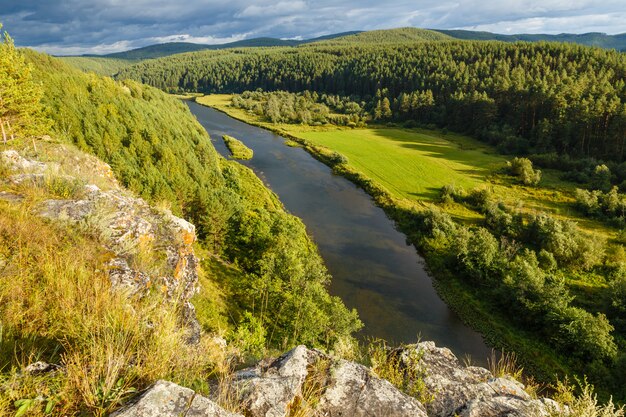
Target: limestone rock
[166,399]
[41,367]
[15,162]
[356,392]
[348,389]
[470,391]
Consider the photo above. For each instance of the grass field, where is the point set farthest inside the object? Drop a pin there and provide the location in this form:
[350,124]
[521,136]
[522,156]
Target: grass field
[413,165]
[409,164]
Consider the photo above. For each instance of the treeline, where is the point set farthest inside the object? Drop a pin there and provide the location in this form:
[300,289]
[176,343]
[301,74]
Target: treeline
[157,149]
[523,97]
[304,108]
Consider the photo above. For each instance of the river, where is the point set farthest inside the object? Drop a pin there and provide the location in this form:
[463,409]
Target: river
[373,268]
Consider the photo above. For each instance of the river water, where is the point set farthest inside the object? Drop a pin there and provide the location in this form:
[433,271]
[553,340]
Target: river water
[373,268]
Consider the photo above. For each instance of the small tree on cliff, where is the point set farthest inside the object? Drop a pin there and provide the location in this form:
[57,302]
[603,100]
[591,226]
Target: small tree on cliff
[21,112]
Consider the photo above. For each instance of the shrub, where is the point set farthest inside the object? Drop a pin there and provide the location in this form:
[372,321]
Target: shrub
[523,168]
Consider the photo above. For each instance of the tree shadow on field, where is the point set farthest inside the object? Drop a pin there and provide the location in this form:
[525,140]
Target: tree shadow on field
[442,149]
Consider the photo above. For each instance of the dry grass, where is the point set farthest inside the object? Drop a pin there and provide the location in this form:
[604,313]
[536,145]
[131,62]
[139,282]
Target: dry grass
[313,387]
[504,364]
[57,305]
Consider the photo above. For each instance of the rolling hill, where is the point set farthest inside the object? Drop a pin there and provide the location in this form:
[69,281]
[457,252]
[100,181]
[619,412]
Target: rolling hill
[601,40]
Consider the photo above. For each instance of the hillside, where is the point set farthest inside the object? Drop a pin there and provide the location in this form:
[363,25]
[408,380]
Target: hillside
[172,48]
[98,65]
[407,34]
[601,40]
[113,225]
[528,97]
[110,64]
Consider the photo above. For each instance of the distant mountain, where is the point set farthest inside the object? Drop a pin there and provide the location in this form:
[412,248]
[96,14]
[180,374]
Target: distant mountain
[171,48]
[111,63]
[601,40]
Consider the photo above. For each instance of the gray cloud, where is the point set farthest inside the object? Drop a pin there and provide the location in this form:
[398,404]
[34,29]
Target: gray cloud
[102,26]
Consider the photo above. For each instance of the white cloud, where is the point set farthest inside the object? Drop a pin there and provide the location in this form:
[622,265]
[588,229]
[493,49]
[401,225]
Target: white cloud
[100,49]
[281,8]
[606,23]
[207,40]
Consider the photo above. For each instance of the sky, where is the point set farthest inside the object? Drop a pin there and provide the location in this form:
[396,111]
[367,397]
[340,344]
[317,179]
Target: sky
[69,27]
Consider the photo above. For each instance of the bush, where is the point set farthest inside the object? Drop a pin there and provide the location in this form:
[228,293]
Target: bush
[523,168]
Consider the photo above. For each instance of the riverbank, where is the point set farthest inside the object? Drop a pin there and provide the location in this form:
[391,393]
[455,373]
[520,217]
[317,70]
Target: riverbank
[536,356]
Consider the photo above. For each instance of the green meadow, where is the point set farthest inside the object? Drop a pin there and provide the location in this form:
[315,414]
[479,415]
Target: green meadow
[410,164]
[414,164]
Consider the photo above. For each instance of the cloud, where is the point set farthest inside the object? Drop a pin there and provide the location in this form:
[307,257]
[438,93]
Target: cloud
[102,26]
[282,8]
[207,40]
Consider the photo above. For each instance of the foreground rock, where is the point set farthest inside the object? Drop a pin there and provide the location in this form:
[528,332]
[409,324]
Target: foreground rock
[471,391]
[307,382]
[166,399]
[312,383]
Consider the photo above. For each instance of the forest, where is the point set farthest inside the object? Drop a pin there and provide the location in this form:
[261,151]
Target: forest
[524,98]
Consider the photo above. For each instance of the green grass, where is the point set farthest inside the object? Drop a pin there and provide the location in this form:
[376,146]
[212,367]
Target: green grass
[237,149]
[409,164]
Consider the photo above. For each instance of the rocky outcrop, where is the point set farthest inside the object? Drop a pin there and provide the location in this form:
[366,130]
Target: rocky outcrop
[166,399]
[312,383]
[307,382]
[149,248]
[14,161]
[470,391]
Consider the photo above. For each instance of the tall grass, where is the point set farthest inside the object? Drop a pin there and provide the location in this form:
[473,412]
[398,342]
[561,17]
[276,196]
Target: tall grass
[57,305]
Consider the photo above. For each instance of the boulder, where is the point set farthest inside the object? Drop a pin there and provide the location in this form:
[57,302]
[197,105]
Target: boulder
[305,379]
[166,399]
[468,390]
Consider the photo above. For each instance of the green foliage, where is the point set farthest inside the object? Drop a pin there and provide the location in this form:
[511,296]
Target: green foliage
[287,288]
[570,247]
[237,149]
[303,108]
[601,178]
[251,336]
[610,205]
[98,65]
[523,168]
[522,97]
[20,108]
